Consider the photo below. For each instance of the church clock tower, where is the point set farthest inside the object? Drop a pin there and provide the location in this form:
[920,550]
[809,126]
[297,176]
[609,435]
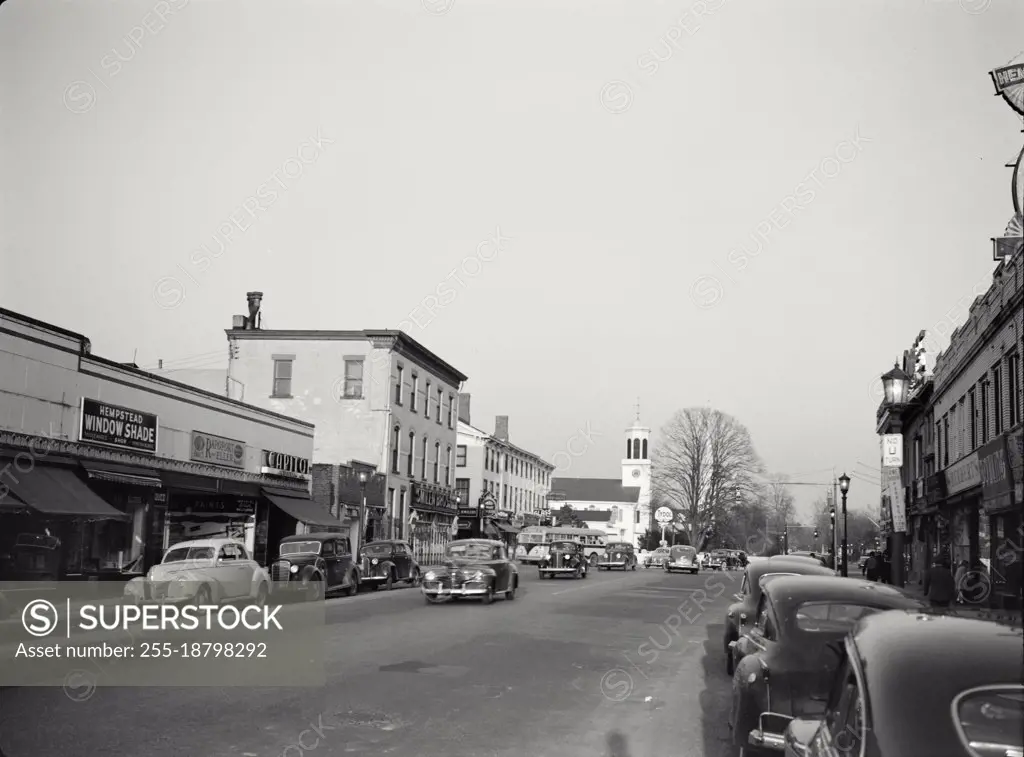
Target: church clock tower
[636,466]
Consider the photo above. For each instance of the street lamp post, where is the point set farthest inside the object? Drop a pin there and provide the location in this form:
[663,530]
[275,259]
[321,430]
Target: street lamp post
[362,509]
[896,389]
[844,487]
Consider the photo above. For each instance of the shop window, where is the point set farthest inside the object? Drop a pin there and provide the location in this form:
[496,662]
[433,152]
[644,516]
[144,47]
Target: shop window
[282,377]
[460,456]
[353,378]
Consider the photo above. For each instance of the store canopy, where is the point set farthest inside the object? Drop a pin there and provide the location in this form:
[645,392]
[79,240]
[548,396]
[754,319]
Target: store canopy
[123,474]
[58,491]
[302,509]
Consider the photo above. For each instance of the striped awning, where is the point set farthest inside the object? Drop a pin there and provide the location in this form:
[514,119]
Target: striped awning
[122,474]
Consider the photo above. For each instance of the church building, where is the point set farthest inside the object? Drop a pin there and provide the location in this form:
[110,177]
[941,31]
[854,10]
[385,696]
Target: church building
[621,506]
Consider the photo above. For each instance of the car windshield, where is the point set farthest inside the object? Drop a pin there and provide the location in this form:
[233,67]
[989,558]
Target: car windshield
[991,721]
[683,551]
[377,550]
[469,551]
[661,551]
[617,548]
[184,554]
[830,617]
[300,548]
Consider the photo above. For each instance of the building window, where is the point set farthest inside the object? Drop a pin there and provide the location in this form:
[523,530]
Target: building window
[636,449]
[410,460]
[282,377]
[997,398]
[945,441]
[398,385]
[440,401]
[462,490]
[423,462]
[629,450]
[460,456]
[984,412]
[396,448]
[437,462]
[1013,382]
[426,401]
[972,411]
[644,457]
[415,392]
[353,378]
[448,467]
[917,457]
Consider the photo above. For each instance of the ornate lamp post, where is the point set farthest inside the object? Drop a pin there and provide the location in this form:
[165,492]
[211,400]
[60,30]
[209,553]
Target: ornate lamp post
[844,487]
[896,390]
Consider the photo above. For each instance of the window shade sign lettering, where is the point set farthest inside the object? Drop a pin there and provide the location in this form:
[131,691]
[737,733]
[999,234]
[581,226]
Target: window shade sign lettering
[116,426]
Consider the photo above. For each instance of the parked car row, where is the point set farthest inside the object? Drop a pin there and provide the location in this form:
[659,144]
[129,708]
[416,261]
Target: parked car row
[823,665]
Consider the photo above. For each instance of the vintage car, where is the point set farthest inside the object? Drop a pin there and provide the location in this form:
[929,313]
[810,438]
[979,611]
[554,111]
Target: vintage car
[920,684]
[202,572]
[715,560]
[784,664]
[756,574]
[473,568]
[657,558]
[315,565]
[682,558]
[618,554]
[564,558]
[385,563]
[807,556]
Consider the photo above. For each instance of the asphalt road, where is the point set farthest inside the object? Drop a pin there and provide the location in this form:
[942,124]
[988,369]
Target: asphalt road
[616,665]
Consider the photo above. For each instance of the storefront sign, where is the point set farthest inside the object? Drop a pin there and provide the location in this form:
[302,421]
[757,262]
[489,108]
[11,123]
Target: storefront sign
[1009,81]
[892,450]
[996,482]
[430,498]
[463,525]
[216,450]
[935,491]
[487,501]
[116,426]
[469,512]
[286,466]
[213,505]
[963,474]
[892,487]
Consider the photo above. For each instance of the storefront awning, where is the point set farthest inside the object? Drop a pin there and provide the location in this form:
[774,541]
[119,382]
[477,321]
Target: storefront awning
[123,474]
[304,510]
[58,491]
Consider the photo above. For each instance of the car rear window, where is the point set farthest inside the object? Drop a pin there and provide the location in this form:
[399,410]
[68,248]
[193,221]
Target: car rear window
[990,721]
[184,554]
[830,617]
[377,550]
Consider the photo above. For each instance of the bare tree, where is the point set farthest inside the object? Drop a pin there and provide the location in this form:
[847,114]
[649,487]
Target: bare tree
[704,459]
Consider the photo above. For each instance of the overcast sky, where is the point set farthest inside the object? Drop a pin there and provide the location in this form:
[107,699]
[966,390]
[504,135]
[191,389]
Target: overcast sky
[751,204]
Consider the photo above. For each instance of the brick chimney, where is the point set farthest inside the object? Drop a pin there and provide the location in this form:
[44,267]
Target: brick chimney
[501,427]
[464,408]
[255,299]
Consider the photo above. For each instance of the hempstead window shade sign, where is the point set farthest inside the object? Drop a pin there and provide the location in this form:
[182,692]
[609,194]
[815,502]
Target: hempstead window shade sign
[115,426]
[216,450]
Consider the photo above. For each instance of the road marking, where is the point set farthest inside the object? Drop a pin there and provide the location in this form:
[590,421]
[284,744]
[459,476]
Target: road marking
[667,588]
[590,586]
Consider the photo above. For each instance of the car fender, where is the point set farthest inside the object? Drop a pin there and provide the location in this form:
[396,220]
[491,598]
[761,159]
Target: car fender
[749,699]
[387,565]
[260,576]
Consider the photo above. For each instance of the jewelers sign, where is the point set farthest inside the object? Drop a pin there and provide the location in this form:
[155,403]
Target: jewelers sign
[115,426]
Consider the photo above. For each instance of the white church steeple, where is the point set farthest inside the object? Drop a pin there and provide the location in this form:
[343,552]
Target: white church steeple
[636,465]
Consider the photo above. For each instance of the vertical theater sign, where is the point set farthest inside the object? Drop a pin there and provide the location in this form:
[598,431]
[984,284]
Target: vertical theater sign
[1009,84]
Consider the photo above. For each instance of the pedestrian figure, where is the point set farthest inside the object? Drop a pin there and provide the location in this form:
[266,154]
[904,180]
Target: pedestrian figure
[961,571]
[939,586]
[871,567]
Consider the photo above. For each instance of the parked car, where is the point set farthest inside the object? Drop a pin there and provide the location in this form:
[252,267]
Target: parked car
[682,558]
[202,572]
[820,559]
[474,568]
[657,558]
[618,554]
[920,684]
[387,562]
[715,560]
[315,565]
[755,575]
[564,558]
[793,647]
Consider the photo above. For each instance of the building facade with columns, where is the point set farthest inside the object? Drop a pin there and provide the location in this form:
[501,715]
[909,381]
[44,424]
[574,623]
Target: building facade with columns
[381,402]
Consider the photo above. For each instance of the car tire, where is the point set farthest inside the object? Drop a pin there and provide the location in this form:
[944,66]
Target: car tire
[389,584]
[261,595]
[511,593]
[593,561]
[203,595]
[415,579]
[488,598]
[353,585]
[578,574]
[315,590]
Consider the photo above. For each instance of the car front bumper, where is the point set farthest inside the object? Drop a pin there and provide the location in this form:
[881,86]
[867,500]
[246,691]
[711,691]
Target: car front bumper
[442,589]
[618,564]
[681,566]
[560,570]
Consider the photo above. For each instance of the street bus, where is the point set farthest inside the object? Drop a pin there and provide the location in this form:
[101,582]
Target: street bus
[533,540]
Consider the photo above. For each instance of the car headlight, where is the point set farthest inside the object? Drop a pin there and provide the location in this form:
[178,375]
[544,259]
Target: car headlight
[294,569]
[373,561]
[430,576]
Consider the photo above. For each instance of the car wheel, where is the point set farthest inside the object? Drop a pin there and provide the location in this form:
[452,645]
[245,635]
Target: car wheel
[415,580]
[488,598]
[203,595]
[511,593]
[389,584]
[353,585]
[578,574]
[315,590]
[261,595]
[593,561]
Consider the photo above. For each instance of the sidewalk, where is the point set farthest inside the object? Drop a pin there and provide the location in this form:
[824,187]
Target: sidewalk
[977,612]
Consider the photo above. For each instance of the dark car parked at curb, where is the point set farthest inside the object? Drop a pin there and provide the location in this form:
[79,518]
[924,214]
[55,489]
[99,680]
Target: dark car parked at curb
[385,563]
[785,662]
[564,558]
[475,569]
[314,565]
[741,612]
[920,684]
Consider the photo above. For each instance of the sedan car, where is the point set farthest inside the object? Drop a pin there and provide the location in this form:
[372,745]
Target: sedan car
[618,554]
[682,558]
[756,574]
[202,572]
[920,684]
[473,568]
[785,662]
[564,558]
[315,565]
[385,563]
[656,559]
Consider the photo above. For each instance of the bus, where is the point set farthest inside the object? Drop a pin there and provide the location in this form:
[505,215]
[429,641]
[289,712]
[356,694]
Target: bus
[531,544]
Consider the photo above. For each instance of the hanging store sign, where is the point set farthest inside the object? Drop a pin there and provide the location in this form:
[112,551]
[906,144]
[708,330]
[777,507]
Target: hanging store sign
[996,480]
[212,505]
[1009,82]
[893,490]
[115,426]
[216,450]
[892,450]
[963,474]
[286,466]
[468,512]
